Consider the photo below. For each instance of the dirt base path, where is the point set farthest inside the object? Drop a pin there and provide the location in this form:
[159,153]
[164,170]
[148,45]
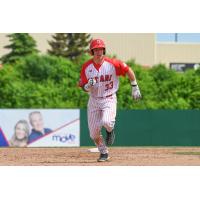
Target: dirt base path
[120,156]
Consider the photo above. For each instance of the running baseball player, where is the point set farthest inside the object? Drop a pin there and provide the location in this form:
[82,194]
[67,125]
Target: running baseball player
[100,78]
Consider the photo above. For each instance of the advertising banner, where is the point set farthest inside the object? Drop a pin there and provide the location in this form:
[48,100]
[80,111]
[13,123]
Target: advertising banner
[181,67]
[3,140]
[39,127]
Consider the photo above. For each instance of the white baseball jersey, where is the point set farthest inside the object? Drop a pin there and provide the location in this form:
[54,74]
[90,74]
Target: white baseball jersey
[106,76]
[102,103]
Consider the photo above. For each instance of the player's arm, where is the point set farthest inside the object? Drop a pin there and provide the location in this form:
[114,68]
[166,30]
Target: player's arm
[84,83]
[135,88]
[88,86]
[131,76]
[125,69]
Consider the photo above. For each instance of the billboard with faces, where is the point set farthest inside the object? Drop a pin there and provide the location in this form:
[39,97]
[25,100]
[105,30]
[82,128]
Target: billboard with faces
[39,127]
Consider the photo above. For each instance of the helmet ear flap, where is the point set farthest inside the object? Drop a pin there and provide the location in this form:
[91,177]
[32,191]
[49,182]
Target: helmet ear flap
[104,52]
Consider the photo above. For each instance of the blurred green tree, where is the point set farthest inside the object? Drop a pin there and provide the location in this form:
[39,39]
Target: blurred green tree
[69,45]
[46,81]
[58,44]
[22,44]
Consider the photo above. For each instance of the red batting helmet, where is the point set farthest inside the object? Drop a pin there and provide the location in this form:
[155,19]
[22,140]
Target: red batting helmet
[97,43]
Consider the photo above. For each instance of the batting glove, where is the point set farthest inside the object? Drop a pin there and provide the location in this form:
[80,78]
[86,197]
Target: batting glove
[135,90]
[88,86]
[92,81]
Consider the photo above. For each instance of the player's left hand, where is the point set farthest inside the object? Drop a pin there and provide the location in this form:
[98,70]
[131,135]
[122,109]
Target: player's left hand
[136,92]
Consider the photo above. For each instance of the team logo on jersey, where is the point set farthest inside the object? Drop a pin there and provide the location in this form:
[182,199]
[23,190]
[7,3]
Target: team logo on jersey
[103,78]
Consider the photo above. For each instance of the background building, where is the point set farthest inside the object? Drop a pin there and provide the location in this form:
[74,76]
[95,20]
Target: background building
[142,47]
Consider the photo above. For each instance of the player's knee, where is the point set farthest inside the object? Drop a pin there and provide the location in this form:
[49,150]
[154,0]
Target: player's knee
[105,123]
[109,125]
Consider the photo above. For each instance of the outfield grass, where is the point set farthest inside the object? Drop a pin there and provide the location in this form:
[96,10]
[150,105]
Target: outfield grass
[188,153]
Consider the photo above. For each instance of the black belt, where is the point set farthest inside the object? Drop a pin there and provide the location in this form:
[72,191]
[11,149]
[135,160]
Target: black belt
[105,96]
[110,95]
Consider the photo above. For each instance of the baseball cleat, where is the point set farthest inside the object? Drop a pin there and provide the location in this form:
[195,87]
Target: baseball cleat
[110,137]
[103,157]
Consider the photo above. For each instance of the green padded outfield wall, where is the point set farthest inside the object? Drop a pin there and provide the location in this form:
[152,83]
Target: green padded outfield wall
[151,128]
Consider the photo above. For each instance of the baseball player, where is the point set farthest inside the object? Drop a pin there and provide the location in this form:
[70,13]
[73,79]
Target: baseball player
[100,78]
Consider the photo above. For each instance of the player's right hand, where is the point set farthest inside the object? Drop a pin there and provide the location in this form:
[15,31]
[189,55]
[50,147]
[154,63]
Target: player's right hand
[92,81]
[88,86]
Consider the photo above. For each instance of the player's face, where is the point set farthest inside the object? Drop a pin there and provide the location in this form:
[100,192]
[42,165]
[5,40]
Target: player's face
[98,53]
[20,131]
[37,122]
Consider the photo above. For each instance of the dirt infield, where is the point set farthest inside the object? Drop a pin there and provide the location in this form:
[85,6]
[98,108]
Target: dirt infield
[120,156]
